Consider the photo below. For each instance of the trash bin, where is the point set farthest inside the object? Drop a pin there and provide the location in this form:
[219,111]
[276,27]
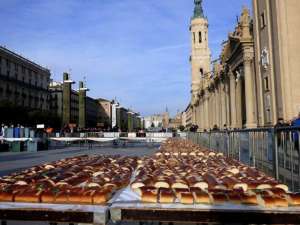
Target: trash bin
[26,132]
[32,146]
[22,132]
[32,134]
[10,133]
[15,146]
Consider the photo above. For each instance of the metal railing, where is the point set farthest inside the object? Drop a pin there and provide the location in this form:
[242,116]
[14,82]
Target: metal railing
[91,140]
[274,151]
[113,134]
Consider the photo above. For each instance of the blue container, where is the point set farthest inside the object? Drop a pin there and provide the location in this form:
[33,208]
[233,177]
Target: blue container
[17,132]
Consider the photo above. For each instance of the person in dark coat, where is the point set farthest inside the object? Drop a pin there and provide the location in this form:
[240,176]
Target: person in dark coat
[296,123]
[280,124]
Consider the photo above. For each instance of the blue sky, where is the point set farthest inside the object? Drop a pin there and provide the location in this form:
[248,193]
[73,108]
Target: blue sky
[134,50]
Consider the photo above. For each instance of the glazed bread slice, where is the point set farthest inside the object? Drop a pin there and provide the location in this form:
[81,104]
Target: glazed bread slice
[149,196]
[186,198]
[166,195]
[28,196]
[6,196]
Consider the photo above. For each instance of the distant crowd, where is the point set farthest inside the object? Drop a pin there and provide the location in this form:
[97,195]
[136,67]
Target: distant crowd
[280,124]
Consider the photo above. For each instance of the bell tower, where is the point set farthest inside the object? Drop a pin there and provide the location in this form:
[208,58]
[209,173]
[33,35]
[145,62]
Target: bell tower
[200,52]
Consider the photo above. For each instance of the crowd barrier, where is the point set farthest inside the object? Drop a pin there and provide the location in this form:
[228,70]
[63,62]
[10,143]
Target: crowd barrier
[26,140]
[92,140]
[274,151]
[113,135]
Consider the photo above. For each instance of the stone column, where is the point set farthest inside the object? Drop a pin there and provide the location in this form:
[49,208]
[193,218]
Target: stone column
[211,109]
[223,104]
[249,92]
[218,106]
[118,118]
[206,109]
[233,116]
[129,121]
[196,114]
[238,103]
[193,115]
[215,107]
[198,118]
[82,105]
[214,114]
[67,85]
[227,103]
[202,114]
[199,115]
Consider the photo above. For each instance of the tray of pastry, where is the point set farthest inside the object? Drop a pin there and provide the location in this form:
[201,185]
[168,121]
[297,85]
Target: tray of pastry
[184,177]
[80,184]
[197,205]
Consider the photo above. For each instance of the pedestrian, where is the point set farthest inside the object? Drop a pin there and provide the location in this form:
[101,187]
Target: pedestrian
[215,128]
[225,127]
[296,124]
[2,131]
[194,128]
[280,124]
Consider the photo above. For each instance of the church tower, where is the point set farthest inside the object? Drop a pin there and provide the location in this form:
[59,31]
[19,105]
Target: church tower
[200,55]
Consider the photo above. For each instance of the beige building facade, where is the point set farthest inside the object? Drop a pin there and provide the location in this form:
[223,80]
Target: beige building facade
[176,122]
[229,92]
[23,82]
[277,54]
[65,103]
[105,112]
[256,80]
[233,81]
[187,117]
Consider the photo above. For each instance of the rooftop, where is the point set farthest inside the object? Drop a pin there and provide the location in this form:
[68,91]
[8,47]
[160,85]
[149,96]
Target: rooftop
[4,49]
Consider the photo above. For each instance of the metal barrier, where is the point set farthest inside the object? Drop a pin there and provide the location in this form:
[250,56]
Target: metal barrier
[274,151]
[113,134]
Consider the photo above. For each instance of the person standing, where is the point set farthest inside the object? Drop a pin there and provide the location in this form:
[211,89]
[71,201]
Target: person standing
[2,131]
[296,123]
[280,133]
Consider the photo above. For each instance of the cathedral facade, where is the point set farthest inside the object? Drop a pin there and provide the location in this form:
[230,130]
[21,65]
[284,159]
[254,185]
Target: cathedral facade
[253,83]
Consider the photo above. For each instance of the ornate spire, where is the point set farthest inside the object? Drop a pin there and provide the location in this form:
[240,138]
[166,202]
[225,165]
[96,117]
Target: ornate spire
[198,11]
[245,23]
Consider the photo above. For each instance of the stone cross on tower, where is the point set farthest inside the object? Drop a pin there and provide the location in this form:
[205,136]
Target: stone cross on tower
[198,11]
